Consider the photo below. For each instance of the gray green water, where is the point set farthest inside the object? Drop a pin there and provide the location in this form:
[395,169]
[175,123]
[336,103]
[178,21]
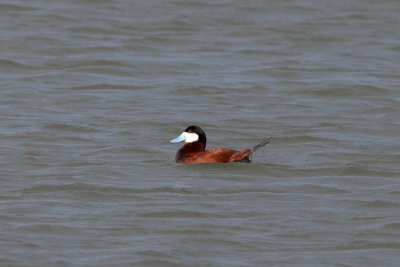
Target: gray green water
[91,92]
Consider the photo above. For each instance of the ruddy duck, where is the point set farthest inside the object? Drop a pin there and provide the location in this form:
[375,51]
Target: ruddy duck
[193,151]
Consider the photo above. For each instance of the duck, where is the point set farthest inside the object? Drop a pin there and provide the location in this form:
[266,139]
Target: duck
[194,149]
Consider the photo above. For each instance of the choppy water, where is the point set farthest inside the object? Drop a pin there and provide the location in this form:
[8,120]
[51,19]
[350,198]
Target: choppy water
[91,92]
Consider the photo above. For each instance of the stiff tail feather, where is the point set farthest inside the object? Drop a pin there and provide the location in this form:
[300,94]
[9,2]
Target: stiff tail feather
[263,143]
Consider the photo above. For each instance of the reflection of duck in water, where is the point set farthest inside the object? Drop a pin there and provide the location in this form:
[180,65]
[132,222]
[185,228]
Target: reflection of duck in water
[193,151]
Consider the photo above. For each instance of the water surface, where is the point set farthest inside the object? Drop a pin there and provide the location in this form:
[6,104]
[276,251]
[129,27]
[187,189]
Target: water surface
[91,92]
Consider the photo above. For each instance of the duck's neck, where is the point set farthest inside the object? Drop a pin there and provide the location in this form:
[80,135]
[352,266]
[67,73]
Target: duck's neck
[194,147]
[189,148]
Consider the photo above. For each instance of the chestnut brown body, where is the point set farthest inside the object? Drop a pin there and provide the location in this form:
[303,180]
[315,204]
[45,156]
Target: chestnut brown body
[196,153]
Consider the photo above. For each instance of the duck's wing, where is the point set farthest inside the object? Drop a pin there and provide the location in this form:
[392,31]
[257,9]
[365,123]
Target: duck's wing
[240,156]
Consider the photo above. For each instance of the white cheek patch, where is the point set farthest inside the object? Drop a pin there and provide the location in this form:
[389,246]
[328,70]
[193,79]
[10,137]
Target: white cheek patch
[190,137]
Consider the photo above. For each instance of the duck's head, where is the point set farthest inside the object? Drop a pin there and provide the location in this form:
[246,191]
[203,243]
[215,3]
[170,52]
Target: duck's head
[190,135]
